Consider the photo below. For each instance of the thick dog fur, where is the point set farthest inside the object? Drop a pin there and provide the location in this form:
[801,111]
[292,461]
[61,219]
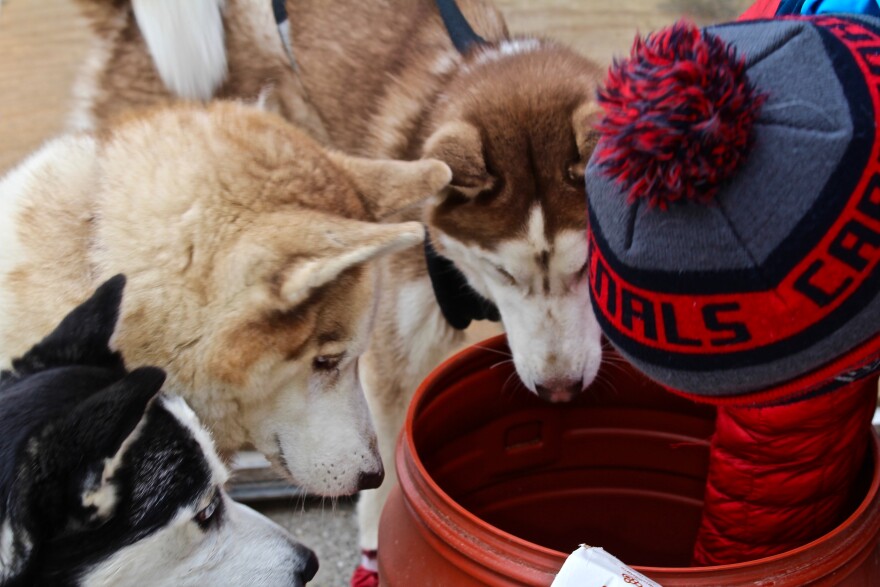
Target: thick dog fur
[513,121]
[246,246]
[104,483]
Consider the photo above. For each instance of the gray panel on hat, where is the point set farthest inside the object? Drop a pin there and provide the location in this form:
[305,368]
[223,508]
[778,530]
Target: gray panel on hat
[805,107]
[801,133]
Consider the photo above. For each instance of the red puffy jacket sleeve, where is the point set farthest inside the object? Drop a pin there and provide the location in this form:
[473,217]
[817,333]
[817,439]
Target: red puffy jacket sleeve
[781,476]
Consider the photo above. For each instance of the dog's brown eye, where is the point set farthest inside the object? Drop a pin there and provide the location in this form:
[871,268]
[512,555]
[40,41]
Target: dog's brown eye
[206,516]
[326,362]
[574,173]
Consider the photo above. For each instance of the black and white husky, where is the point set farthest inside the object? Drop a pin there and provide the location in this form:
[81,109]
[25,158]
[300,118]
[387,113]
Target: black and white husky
[106,481]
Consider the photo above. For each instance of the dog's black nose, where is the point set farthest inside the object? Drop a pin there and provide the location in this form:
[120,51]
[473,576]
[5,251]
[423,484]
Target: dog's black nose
[310,569]
[371,480]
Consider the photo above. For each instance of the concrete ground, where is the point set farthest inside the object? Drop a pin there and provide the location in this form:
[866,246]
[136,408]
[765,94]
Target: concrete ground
[326,527]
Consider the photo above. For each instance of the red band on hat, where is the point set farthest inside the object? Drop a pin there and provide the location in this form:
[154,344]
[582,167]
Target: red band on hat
[853,366]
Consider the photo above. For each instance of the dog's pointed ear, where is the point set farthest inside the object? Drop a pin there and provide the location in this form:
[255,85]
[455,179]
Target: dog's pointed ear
[82,337]
[97,433]
[74,459]
[586,137]
[459,145]
[354,243]
[387,186]
[107,418]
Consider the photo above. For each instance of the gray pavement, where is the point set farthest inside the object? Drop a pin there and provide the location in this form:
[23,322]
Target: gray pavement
[325,526]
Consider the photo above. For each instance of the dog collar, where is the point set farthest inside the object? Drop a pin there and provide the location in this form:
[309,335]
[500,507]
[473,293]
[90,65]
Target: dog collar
[459,302]
[460,32]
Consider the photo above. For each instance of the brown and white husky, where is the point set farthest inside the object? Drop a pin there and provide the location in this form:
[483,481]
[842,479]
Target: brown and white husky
[512,118]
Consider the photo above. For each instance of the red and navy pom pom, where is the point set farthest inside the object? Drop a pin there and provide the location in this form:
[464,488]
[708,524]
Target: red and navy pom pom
[678,116]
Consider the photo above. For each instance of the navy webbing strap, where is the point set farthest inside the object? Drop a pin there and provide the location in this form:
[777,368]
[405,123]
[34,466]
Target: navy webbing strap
[459,29]
[279,10]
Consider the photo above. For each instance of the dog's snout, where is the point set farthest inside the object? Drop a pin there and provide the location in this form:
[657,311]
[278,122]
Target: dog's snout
[559,390]
[311,567]
[371,480]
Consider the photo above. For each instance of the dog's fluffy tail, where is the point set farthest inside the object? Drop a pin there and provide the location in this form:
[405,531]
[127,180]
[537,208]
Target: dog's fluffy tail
[185,39]
[187,43]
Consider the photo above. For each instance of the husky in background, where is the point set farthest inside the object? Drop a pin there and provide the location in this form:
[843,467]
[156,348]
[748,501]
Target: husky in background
[512,117]
[105,481]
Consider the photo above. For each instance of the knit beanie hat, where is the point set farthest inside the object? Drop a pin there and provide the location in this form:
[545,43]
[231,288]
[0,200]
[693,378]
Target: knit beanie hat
[734,207]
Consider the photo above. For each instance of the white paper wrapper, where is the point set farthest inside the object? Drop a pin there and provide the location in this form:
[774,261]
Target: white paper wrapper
[591,566]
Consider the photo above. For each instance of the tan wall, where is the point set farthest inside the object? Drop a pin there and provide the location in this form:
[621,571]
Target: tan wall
[43,42]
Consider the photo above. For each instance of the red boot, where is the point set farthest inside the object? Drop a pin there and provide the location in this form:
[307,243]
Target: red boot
[367,573]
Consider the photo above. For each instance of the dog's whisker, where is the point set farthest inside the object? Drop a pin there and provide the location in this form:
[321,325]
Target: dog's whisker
[491,350]
[619,367]
[603,379]
[507,390]
[614,360]
[300,502]
[619,362]
[500,363]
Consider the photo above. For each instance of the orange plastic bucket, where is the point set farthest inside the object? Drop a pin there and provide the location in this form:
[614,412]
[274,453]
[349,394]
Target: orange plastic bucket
[497,486]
